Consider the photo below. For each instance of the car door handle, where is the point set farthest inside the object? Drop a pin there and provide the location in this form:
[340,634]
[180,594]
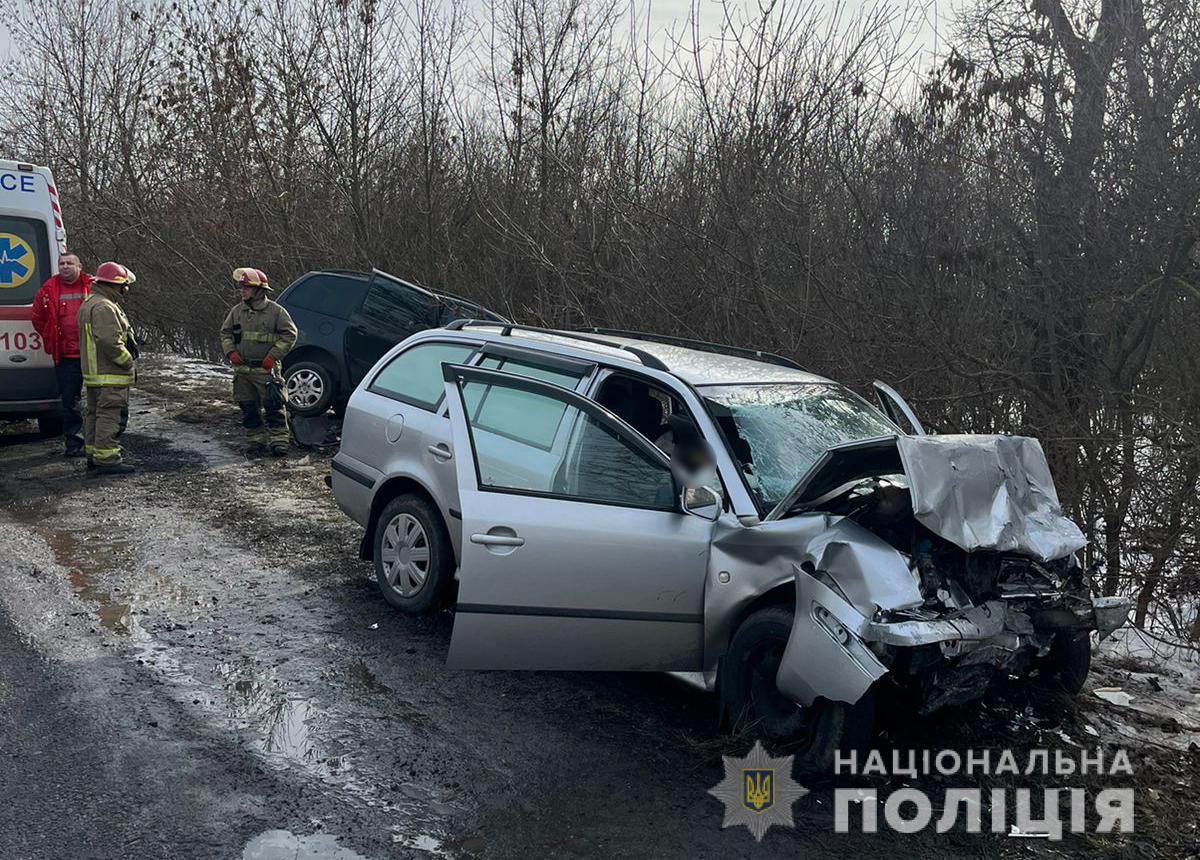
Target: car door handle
[440,451]
[498,540]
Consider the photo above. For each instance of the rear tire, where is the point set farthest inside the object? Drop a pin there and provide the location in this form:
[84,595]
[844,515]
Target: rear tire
[310,388]
[753,703]
[414,562]
[50,426]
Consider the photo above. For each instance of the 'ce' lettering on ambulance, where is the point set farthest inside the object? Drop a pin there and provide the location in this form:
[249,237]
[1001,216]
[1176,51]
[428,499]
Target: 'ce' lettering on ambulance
[13,182]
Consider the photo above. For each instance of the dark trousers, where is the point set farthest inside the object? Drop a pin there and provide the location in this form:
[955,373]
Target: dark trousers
[70,386]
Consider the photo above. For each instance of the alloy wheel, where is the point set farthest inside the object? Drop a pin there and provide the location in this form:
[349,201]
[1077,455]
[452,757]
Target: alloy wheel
[305,388]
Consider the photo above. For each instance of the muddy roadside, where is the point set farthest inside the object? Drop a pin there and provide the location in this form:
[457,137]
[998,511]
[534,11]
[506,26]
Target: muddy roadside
[230,588]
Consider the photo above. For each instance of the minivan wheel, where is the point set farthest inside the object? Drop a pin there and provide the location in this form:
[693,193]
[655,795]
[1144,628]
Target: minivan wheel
[413,558]
[753,703]
[309,388]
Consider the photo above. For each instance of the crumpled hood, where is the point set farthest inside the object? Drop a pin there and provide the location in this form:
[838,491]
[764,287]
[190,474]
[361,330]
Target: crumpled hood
[988,492]
[978,492]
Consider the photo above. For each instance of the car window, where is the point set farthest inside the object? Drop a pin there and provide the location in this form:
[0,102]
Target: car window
[415,375]
[493,408]
[777,431]
[328,294]
[395,308]
[24,259]
[455,309]
[543,445]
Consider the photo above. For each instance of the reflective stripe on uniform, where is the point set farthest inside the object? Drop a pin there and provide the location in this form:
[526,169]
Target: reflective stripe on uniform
[104,453]
[70,297]
[247,368]
[259,336]
[90,343]
[102,380]
[123,357]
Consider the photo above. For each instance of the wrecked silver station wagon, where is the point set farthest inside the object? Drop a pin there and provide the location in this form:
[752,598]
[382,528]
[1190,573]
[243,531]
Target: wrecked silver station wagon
[617,501]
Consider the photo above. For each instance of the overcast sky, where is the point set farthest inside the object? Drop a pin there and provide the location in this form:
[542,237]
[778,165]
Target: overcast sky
[928,37]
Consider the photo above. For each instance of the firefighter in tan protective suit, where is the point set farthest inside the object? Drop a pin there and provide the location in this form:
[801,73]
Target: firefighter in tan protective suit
[107,352]
[256,335]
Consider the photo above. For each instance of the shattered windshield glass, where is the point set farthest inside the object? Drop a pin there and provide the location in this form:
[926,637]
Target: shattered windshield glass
[777,431]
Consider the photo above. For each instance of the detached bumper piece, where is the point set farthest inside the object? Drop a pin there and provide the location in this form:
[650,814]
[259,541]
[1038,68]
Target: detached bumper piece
[1102,614]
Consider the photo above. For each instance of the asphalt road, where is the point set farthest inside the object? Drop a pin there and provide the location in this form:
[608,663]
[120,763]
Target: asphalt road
[193,663]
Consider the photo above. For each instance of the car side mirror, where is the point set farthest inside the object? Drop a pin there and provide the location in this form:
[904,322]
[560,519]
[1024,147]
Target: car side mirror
[703,502]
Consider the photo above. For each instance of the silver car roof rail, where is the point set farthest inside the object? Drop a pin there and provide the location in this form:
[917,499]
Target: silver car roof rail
[506,330]
[704,346]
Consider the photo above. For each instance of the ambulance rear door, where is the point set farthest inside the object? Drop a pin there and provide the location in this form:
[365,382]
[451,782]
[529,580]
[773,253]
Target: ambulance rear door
[31,238]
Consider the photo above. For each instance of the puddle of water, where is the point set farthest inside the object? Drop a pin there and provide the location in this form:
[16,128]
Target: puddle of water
[82,556]
[286,724]
[285,845]
[113,615]
[81,553]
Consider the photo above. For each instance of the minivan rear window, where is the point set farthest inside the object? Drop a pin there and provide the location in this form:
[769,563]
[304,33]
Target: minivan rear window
[25,261]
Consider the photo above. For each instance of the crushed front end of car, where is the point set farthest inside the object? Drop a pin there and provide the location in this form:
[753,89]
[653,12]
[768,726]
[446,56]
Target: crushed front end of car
[945,563]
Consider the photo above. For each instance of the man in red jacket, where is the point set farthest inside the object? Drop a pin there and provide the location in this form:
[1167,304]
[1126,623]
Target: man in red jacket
[54,317]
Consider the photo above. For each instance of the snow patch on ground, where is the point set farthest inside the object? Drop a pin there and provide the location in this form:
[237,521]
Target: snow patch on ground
[182,371]
[1147,689]
[1130,643]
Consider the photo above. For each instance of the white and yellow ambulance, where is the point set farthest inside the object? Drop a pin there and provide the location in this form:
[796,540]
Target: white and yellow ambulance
[31,238]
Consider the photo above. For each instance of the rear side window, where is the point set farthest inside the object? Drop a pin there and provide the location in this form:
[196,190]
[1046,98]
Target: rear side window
[24,259]
[458,309]
[415,375]
[395,308]
[453,309]
[494,408]
[328,294]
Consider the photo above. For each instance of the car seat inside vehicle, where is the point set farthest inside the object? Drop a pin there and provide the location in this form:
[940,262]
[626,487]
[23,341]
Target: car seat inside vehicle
[640,405]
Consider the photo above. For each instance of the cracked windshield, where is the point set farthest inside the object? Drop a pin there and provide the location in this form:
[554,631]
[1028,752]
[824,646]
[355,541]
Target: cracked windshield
[778,431]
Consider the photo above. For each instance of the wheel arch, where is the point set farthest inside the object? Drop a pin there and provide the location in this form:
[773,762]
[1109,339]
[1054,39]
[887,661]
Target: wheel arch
[780,594]
[394,486]
[320,355]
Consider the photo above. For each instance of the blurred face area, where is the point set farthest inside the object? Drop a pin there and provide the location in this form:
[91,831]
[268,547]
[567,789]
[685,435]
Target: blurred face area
[69,268]
[249,294]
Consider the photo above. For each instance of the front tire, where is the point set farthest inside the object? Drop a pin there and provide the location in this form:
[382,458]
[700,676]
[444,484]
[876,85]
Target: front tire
[1067,665]
[310,388]
[752,702]
[414,562]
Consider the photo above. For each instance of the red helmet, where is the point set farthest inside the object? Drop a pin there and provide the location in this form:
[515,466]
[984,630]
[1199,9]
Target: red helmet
[114,273]
[249,277]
